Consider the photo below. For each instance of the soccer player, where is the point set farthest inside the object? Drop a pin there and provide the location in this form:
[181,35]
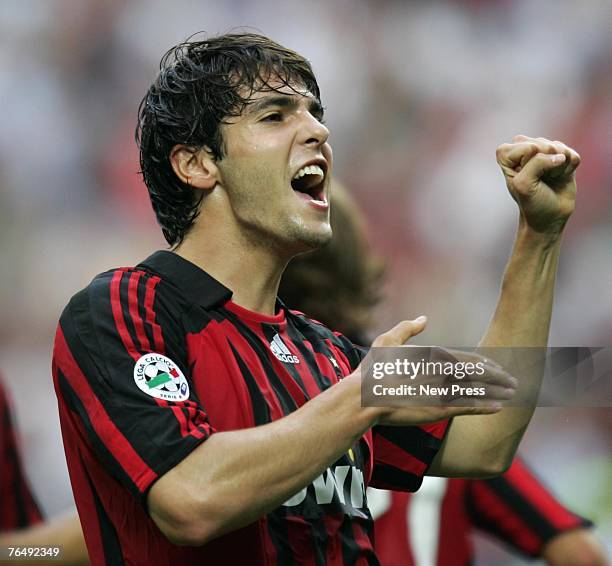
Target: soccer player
[339,285]
[203,422]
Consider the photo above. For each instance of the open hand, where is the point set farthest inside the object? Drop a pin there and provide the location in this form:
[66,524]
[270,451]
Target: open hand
[498,384]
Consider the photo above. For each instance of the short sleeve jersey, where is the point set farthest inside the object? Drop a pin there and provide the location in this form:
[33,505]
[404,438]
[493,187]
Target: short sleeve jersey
[151,361]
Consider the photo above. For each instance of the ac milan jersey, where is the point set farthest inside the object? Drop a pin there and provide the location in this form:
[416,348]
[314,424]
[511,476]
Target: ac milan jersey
[18,509]
[434,525]
[150,361]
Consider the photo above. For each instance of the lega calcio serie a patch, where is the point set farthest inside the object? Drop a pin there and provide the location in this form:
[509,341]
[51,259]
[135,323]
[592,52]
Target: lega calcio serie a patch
[159,377]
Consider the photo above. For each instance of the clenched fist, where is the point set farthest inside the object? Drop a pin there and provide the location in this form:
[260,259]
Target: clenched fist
[540,177]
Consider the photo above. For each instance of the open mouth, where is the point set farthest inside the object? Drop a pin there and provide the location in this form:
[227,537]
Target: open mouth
[310,181]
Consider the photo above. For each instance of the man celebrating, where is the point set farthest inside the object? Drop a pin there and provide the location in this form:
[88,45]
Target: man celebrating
[203,422]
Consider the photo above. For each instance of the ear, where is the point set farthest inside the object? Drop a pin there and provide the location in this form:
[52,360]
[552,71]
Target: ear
[195,167]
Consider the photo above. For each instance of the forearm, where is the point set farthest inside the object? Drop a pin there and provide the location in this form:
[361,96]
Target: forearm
[236,477]
[522,316]
[521,320]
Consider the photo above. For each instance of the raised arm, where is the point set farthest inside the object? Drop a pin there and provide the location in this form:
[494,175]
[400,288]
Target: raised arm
[540,177]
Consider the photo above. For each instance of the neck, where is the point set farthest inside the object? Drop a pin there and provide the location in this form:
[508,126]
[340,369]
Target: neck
[252,273]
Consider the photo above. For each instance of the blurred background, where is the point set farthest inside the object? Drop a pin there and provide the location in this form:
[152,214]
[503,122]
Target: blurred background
[418,96]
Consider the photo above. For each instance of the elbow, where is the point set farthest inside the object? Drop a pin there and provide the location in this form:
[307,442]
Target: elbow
[187,534]
[494,465]
[499,468]
[191,524]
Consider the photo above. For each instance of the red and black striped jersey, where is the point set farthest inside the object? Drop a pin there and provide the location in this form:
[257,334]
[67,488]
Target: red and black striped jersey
[18,508]
[150,361]
[434,525]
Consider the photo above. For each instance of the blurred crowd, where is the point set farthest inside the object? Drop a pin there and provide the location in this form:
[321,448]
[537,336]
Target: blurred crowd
[418,94]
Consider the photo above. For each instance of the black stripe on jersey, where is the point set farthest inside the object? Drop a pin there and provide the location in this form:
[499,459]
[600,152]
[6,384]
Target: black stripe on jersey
[110,541]
[125,308]
[285,399]
[298,339]
[24,500]
[522,507]
[261,411]
[412,439]
[320,539]
[479,519]
[390,475]
[142,293]
[277,529]
[11,470]
[75,405]
[315,333]
[350,549]
[270,331]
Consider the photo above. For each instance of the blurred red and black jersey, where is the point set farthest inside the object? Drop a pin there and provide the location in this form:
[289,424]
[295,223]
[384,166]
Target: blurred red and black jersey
[18,508]
[150,361]
[434,526]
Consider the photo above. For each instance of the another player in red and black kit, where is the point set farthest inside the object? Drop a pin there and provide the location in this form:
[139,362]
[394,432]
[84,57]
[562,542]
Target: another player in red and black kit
[21,522]
[202,421]
[435,525]
[18,508]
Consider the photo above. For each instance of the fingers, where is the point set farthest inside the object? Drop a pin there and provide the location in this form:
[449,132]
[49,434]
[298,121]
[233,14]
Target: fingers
[514,156]
[490,373]
[538,166]
[480,407]
[401,332]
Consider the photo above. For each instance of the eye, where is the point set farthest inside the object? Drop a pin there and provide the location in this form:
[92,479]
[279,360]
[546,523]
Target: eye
[319,114]
[273,117]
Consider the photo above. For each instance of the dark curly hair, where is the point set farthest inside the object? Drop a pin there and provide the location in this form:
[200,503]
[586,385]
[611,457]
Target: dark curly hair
[201,84]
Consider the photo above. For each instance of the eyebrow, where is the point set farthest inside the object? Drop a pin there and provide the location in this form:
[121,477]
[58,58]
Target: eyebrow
[285,101]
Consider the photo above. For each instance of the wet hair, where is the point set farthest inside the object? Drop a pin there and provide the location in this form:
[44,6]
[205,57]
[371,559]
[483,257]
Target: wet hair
[340,283]
[199,86]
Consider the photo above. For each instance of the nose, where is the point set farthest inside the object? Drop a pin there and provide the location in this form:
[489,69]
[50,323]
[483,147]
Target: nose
[313,132]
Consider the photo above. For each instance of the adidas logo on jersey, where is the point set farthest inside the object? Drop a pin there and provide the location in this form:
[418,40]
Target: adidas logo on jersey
[281,352]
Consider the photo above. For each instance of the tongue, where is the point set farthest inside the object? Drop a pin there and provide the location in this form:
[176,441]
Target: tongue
[306,183]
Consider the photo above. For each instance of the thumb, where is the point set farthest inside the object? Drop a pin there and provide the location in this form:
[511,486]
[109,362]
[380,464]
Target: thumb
[401,332]
[535,168]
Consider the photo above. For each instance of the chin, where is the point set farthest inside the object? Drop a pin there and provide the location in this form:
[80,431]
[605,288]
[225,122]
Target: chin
[308,238]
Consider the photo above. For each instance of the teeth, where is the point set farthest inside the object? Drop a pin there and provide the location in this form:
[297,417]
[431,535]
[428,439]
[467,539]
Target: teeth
[309,170]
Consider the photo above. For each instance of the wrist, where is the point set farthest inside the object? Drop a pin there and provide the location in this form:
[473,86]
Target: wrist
[369,415]
[532,238]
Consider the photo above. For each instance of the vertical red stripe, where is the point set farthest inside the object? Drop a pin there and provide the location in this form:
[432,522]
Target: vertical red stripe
[299,538]
[295,391]
[121,449]
[84,499]
[334,545]
[115,299]
[133,306]
[363,542]
[303,368]
[257,370]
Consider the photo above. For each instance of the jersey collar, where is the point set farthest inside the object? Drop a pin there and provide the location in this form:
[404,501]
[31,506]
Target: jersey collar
[194,282]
